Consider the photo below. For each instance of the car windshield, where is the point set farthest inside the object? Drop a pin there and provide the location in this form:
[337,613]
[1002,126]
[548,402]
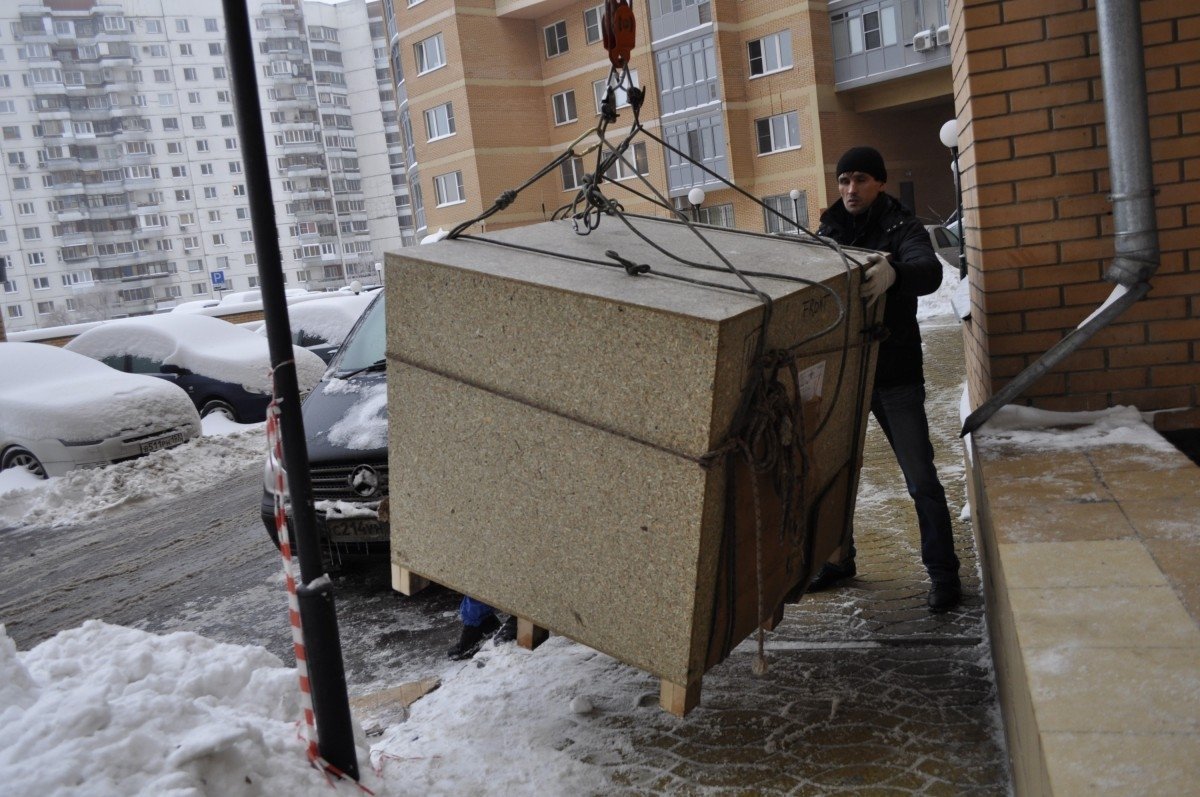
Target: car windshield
[365,345]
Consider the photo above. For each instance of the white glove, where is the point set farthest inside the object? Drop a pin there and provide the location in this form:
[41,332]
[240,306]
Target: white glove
[878,276]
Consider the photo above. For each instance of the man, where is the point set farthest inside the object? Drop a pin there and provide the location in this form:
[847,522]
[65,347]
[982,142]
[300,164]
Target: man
[904,269]
[478,621]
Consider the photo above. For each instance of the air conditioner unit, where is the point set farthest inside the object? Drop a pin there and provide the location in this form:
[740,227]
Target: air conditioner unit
[923,41]
[943,35]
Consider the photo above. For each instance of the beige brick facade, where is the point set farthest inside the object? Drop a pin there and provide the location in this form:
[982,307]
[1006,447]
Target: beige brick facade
[1030,108]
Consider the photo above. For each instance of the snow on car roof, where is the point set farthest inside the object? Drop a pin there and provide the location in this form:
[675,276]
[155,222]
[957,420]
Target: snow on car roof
[329,319]
[203,345]
[64,395]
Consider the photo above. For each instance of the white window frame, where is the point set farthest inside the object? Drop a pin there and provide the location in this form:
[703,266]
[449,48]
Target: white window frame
[430,54]
[565,109]
[555,36]
[596,22]
[443,188]
[440,125]
[779,130]
[774,54]
[573,174]
[637,155]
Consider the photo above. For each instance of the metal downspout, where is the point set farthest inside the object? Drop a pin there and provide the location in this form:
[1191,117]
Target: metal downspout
[1135,235]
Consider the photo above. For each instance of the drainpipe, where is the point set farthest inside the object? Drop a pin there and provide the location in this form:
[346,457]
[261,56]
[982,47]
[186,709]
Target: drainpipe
[1136,233]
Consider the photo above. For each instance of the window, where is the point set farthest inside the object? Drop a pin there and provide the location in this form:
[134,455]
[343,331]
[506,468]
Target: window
[154,26]
[853,34]
[235,167]
[430,54]
[206,168]
[158,51]
[170,123]
[31,233]
[218,239]
[199,288]
[247,236]
[771,53]
[182,195]
[16,311]
[181,26]
[231,143]
[239,189]
[185,49]
[25,209]
[41,283]
[16,158]
[189,73]
[449,188]
[783,206]
[179,171]
[162,75]
[600,88]
[11,133]
[197,122]
[778,132]
[223,96]
[564,107]
[556,38]
[591,24]
[573,174]
[219,73]
[10,286]
[191,242]
[439,121]
[227,120]
[210,25]
[210,192]
[8,106]
[45,308]
[20,183]
[35,258]
[242,213]
[214,215]
[166,100]
[636,157]
[193,98]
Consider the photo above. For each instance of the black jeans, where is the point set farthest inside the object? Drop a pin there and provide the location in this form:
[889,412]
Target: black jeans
[900,411]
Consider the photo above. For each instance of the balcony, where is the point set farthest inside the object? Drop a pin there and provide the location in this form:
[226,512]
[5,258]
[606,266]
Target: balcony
[529,9]
[881,40]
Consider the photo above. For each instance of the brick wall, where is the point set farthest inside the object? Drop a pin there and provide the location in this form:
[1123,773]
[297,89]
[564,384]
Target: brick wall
[1029,101]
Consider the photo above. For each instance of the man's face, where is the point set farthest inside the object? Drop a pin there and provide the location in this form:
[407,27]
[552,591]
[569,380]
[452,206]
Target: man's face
[858,190]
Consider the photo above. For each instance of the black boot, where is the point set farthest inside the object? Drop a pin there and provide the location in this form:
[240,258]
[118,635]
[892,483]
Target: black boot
[944,595]
[507,632]
[471,638]
[830,575]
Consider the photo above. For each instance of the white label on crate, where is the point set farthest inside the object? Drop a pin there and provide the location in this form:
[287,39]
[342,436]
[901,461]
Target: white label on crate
[811,381]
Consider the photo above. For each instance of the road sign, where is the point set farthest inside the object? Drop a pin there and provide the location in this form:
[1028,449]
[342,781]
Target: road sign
[218,279]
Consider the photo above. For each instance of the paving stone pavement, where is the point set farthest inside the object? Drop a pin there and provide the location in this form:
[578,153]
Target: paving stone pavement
[867,693]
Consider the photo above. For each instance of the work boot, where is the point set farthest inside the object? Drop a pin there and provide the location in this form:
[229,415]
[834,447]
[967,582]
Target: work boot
[944,596]
[471,638]
[830,575]
[507,632]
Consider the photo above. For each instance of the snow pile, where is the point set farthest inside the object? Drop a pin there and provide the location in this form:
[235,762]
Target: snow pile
[1043,429]
[225,449]
[106,710]
[203,345]
[939,303]
[329,319]
[364,426]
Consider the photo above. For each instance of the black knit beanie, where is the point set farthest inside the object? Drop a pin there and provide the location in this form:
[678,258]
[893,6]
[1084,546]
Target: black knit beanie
[863,159]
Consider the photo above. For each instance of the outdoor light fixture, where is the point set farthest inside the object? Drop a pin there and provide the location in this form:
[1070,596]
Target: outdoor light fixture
[795,194]
[949,137]
[696,199]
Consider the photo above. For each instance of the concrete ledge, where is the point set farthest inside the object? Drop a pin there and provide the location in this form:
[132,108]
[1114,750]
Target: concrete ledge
[1091,567]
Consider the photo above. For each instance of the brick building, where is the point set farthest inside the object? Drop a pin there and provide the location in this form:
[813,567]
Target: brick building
[1030,111]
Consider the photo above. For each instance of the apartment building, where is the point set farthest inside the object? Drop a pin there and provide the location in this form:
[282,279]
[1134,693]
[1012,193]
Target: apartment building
[122,187]
[766,94]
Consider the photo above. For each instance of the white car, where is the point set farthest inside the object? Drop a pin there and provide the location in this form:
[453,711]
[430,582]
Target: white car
[222,367]
[60,410]
[321,325]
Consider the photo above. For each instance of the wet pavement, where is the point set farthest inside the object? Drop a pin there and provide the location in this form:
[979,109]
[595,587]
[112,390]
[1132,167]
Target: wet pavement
[867,693]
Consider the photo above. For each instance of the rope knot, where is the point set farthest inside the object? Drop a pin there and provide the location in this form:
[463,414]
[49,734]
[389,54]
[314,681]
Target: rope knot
[631,268]
[505,199]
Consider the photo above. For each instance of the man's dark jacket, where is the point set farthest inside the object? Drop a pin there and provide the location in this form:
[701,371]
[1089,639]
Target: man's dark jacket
[887,226]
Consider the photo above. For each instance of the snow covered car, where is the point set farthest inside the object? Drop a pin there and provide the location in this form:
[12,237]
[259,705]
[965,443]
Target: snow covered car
[321,325]
[222,367]
[60,410]
[345,425]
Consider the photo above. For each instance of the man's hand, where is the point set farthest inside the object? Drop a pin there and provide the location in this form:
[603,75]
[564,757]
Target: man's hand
[878,276]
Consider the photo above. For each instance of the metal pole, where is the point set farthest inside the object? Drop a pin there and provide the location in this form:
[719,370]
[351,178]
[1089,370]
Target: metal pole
[331,704]
[962,225]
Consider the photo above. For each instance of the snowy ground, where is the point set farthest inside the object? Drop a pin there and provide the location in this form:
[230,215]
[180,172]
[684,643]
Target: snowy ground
[108,710]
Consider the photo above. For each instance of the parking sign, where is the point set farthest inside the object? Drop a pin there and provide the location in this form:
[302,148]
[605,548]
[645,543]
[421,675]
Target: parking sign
[218,279]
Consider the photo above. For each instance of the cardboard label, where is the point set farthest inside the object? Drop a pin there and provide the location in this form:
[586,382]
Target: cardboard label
[811,382]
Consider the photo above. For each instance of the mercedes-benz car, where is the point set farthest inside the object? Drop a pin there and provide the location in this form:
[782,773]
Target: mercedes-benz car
[345,424]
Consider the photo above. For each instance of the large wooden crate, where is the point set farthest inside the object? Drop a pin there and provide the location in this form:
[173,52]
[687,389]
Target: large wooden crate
[549,421]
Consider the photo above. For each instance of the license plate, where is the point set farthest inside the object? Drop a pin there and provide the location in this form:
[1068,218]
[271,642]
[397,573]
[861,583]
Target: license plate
[162,442]
[356,530]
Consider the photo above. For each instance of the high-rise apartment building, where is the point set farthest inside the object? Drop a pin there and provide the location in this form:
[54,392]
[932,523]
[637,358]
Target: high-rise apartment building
[122,188]
[765,94]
